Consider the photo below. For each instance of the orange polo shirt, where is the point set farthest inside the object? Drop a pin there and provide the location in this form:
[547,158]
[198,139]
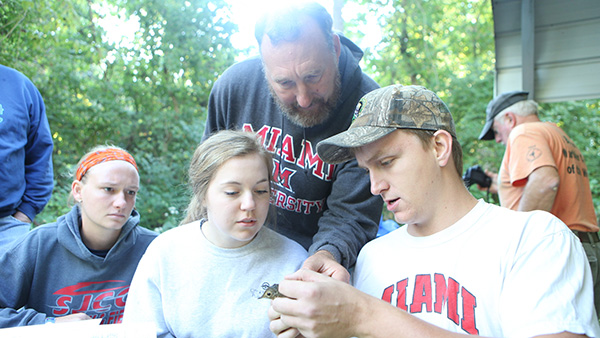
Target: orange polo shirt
[533,145]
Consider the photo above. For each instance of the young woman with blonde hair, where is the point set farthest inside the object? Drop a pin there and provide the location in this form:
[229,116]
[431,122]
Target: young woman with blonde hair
[198,279]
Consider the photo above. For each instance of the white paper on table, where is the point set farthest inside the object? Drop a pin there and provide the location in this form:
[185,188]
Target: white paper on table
[82,329]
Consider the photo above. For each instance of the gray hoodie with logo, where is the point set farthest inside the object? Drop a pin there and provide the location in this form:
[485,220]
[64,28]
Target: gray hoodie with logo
[51,273]
[321,206]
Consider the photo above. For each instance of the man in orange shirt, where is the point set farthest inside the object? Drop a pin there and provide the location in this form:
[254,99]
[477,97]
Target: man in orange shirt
[542,169]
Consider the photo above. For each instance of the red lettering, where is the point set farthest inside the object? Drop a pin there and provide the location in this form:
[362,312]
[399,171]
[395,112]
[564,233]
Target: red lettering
[280,200]
[94,303]
[97,303]
[452,300]
[282,177]
[440,292]
[310,159]
[422,294]
[269,143]
[261,133]
[287,149]
[275,133]
[291,203]
[319,205]
[446,295]
[283,201]
[114,317]
[330,170]
[120,299]
[387,294]
[469,304]
[307,206]
[63,306]
[247,127]
[401,298]
[85,304]
[298,206]
[446,292]
[78,289]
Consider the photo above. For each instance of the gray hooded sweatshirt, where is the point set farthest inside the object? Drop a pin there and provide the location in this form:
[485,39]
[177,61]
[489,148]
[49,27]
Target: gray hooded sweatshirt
[321,206]
[51,273]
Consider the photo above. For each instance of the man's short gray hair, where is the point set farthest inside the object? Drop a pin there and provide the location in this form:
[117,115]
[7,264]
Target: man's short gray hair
[285,23]
[521,108]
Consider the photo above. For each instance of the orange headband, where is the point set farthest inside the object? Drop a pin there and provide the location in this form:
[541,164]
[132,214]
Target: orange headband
[109,154]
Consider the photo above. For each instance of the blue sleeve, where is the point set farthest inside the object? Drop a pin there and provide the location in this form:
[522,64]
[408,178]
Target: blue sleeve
[38,157]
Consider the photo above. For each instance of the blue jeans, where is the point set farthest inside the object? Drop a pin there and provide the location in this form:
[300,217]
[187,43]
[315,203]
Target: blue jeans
[10,230]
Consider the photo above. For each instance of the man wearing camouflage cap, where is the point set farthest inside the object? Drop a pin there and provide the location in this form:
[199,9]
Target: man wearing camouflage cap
[543,169]
[458,265]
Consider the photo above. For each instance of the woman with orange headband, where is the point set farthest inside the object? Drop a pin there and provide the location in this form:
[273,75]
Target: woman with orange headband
[79,267]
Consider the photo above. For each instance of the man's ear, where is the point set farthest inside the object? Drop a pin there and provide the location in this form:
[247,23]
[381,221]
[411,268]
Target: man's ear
[337,45]
[510,119]
[442,144]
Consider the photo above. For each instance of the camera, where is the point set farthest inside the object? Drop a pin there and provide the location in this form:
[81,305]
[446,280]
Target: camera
[476,175]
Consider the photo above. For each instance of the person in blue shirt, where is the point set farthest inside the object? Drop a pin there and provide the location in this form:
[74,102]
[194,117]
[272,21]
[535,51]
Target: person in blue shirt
[25,155]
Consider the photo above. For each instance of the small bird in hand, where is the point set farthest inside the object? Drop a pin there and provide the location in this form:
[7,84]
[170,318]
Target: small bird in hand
[271,291]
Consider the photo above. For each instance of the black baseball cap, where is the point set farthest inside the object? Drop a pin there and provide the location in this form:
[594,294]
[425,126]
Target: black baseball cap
[497,105]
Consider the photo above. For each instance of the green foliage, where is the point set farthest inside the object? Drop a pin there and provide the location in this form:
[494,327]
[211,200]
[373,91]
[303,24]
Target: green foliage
[445,46]
[448,47]
[146,93]
[581,121]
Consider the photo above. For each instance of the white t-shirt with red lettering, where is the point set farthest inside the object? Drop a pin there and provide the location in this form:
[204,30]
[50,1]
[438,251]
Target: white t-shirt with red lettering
[495,272]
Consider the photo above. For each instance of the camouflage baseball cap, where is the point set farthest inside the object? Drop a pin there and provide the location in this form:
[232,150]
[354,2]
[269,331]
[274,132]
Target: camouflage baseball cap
[496,106]
[384,110]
